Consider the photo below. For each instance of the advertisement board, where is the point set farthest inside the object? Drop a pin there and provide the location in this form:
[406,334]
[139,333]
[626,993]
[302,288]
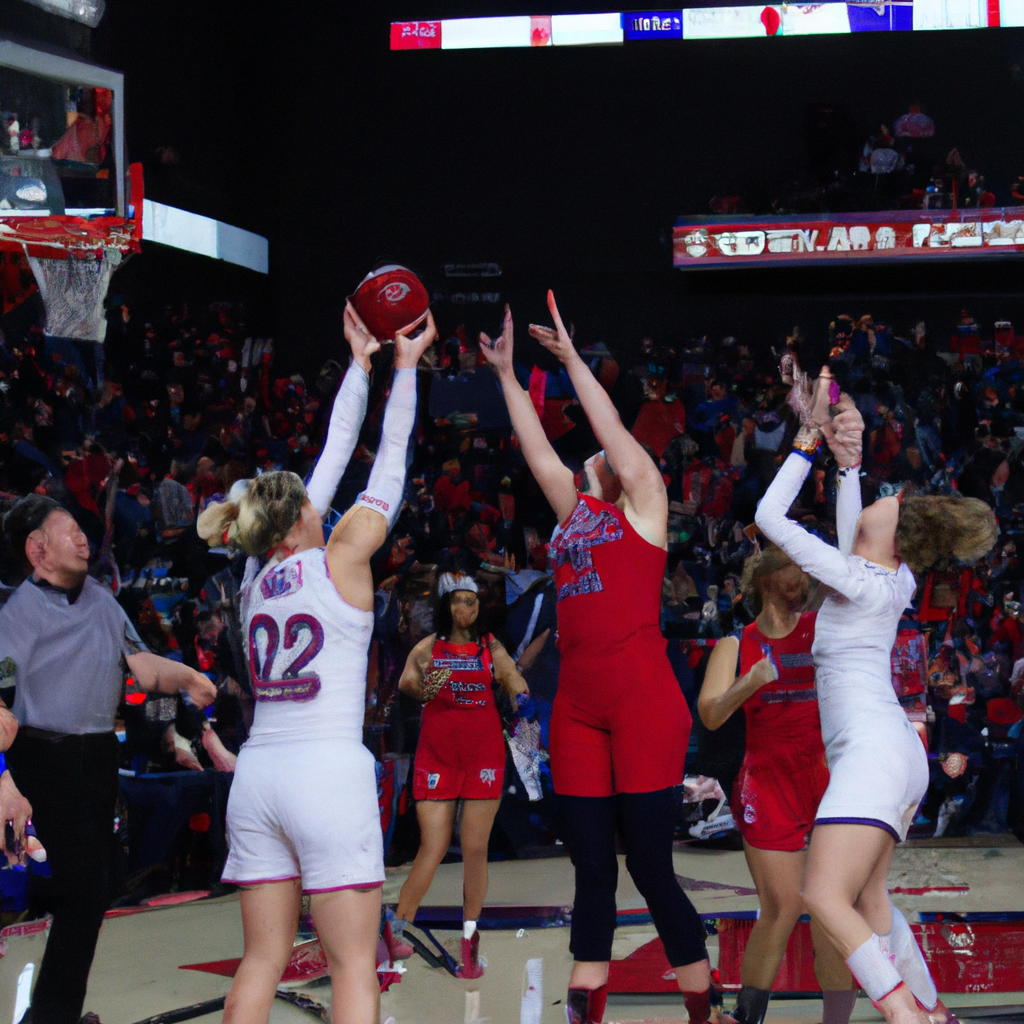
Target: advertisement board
[861,237]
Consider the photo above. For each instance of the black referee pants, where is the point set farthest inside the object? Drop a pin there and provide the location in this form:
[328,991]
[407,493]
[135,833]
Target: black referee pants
[72,784]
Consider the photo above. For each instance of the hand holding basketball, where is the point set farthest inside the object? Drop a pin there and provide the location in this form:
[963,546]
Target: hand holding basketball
[360,340]
[409,350]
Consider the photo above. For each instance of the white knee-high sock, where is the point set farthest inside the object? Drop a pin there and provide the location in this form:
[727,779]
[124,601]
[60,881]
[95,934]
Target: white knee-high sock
[873,969]
[342,435]
[910,961]
[386,486]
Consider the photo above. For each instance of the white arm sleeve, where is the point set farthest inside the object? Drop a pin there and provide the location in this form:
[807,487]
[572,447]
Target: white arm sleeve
[386,487]
[342,435]
[848,507]
[818,559]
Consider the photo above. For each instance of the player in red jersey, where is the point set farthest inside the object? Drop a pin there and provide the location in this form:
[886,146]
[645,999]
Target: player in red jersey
[460,755]
[620,725]
[769,672]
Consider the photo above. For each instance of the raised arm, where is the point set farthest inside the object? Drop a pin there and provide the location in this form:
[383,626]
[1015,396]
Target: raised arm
[366,526]
[640,477]
[844,434]
[346,416]
[813,555]
[554,477]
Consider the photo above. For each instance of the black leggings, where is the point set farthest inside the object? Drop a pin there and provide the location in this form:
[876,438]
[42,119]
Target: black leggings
[72,785]
[587,825]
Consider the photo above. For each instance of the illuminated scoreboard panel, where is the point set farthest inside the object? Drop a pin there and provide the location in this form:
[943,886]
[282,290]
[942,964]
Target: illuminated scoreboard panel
[616,28]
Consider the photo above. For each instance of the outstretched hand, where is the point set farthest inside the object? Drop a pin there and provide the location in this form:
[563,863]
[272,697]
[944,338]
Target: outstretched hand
[556,340]
[360,340]
[498,352]
[845,433]
[408,350]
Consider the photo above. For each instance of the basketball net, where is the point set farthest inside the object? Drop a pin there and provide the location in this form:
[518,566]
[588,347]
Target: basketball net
[73,290]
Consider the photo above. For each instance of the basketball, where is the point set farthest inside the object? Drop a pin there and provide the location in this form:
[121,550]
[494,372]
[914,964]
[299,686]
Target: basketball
[391,299]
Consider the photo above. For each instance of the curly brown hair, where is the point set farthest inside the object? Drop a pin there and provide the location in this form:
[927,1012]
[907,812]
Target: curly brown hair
[935,530]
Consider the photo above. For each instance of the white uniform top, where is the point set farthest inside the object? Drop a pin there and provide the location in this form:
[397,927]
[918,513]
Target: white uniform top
[308,652]
[303,802]
[878,763]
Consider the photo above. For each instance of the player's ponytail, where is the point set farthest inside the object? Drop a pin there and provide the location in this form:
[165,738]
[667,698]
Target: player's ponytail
[218,524]
[260,516]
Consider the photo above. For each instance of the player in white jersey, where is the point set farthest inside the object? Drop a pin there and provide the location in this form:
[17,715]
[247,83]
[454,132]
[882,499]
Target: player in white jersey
[303,815]
[878,767]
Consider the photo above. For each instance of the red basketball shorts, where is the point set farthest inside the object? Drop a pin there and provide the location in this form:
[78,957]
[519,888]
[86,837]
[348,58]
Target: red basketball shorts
[774,804]
[460,755]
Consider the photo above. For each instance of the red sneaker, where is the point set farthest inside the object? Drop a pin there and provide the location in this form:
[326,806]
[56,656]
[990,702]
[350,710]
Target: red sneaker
[586,1006]
[398,949]
[472,966]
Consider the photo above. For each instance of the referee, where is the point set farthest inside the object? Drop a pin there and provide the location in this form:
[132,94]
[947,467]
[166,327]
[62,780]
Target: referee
[63,639]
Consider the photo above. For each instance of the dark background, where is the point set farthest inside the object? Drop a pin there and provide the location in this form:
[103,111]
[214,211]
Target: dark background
[565,166]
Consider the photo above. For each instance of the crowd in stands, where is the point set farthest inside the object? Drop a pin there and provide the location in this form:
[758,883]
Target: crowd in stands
[902,165]
[191,402]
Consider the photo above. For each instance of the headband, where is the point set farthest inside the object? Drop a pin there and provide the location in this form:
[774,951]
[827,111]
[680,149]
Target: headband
[449,581]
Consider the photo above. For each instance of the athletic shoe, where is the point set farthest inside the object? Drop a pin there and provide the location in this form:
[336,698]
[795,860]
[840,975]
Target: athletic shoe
[398,949]
[941,1013]
[472,966]
[586,1006]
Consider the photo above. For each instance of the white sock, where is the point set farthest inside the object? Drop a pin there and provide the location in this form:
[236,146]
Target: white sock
[910,961]
[342,435]
[468,929]
[874,971]
[386,486]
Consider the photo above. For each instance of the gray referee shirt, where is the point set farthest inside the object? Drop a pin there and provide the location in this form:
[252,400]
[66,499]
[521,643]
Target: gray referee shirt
[65,656]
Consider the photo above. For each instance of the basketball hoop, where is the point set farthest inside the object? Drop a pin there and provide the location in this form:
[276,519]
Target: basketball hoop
[73,291]
[72,260]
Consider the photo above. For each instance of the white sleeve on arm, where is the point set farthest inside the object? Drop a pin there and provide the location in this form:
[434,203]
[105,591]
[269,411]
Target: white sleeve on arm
[848,507]
[386,487]
[342,435]
[813,555]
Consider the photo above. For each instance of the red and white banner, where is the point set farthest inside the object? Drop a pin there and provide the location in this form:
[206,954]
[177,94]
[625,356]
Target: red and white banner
[416,35]
[896,235]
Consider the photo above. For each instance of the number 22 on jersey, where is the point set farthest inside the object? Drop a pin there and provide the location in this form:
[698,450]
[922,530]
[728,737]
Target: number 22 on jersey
[293,683]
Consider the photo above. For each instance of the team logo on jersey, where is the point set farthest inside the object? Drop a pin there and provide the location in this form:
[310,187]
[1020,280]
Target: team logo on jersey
[585,530]
[749,815]
[287,579]
[433,778]
[488,775]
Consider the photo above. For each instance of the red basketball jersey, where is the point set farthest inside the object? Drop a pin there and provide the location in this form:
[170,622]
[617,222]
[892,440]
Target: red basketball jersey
[782,717]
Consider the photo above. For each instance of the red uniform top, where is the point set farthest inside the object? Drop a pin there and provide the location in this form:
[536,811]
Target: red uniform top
[461,750]
[783,725]
[469,688]
[608,580]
